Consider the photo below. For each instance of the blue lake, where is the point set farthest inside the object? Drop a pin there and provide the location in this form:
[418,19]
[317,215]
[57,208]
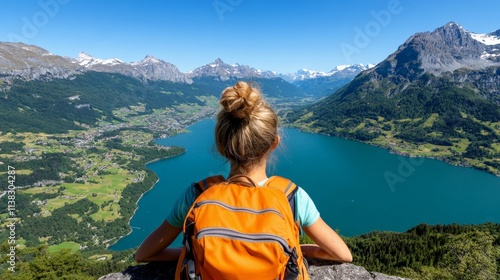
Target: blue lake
[357,188]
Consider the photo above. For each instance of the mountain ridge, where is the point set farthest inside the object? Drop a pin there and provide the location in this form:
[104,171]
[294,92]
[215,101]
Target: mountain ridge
[13,66]
[29,62]
[446,49]
[149,68]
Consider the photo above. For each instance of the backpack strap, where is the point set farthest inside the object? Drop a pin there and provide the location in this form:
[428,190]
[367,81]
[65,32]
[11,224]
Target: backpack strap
[242,180]
[287,187]
[206,183]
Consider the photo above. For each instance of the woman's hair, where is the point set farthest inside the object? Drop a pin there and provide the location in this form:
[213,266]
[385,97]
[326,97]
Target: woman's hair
[247,126]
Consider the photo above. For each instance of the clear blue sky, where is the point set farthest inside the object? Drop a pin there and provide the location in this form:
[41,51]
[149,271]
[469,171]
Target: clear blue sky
[280,35]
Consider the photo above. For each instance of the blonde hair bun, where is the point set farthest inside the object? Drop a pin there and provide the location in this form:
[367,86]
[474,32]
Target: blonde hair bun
[247,127]
[240,100]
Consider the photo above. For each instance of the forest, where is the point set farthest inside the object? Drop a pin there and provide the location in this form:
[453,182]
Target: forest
[423,252]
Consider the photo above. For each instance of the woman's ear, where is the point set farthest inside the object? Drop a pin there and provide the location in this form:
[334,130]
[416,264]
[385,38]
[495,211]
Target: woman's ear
[276,142]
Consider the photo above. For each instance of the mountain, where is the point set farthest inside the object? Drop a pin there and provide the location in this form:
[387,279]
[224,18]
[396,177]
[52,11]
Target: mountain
[225,71]
[149,68]
[19,61]
[156,69]
[446,49]
[437,95]
[340,71]
[218,75]
[320,84]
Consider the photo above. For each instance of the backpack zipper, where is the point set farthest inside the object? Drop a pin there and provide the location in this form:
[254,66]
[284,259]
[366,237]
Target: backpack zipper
[250,237]
[239,209]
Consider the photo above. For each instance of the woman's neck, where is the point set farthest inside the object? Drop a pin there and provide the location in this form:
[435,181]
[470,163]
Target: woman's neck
[257,173]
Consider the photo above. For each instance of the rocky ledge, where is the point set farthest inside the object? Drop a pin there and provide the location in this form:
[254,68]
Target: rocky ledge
[318,271]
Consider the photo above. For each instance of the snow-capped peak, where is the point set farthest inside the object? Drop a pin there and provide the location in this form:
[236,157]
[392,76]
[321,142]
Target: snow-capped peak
[149,59]
[342,67]
[304,74]
[112,61]
[87,60]
[84,58]
[260,71]
[216,63]
[452,24]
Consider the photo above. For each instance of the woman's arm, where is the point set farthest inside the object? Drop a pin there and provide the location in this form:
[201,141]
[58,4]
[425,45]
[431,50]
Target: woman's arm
[154,247]
[329,244]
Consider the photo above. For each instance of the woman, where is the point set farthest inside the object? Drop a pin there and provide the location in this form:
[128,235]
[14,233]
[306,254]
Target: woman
[245,134]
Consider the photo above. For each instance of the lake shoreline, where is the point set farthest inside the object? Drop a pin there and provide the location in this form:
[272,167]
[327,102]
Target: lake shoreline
[400,153]
[140,197]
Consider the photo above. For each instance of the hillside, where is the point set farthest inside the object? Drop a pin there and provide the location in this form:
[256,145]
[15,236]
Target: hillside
[58,105]
[438,96]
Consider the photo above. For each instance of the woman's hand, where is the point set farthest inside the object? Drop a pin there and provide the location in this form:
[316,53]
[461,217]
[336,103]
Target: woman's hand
[154,247]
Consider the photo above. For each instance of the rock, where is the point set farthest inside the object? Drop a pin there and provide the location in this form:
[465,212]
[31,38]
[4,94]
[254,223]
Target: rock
[317,271]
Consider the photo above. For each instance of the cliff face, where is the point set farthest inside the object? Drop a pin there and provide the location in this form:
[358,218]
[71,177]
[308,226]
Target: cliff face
[323,271]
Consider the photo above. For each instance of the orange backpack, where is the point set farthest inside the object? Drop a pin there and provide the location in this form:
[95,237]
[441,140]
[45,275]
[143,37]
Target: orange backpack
[236,230]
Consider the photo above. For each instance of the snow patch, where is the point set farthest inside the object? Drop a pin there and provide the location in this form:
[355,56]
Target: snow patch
[304,74]
[149,59]
[486,39]
[486,55]
[342,67]
[112,61]
[88,60]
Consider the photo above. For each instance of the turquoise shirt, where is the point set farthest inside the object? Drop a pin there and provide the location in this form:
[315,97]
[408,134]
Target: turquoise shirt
[306,210]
